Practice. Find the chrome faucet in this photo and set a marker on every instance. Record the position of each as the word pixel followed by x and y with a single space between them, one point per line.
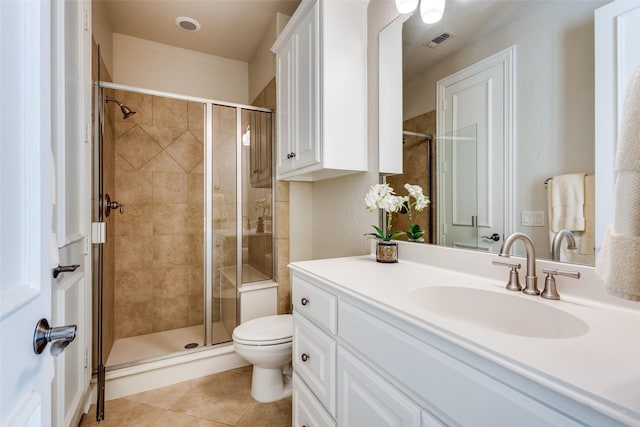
pixel 557 242
pixel 531 280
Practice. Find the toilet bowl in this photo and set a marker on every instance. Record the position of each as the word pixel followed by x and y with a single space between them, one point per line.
pixel 265 342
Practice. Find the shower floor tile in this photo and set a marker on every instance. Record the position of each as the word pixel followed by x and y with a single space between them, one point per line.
pixel 128 349
pixel 219 400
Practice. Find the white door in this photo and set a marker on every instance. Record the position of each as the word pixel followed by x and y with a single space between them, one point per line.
pixel 25 210
pixel 478 96
pixel 70 291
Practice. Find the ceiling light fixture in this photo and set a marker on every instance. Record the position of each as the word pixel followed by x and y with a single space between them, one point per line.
pixel 430 10
pixel 187 24
pixel 406 6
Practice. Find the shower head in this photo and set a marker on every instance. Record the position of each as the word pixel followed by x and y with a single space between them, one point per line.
pixel 126 111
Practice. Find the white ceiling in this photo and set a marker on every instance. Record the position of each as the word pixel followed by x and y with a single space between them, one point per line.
pixel 230 28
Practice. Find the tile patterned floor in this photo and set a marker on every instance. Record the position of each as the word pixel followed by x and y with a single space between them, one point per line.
pixel 219 400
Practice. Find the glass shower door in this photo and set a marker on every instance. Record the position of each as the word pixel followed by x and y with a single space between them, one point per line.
pixel 223 202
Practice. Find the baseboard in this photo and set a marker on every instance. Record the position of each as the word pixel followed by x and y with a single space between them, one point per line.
pixel 148 376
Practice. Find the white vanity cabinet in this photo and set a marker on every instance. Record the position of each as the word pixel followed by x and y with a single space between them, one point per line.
pixel 321 66
pixel 356 364
pixel 332 385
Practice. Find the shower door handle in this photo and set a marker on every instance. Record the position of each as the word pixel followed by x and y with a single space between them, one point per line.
pixel 111 205
pixel 116 205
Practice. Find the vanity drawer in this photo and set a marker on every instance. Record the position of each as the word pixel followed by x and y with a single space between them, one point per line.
pixel 439 382
pixel 314 303
pixel 314 360
pixel 307 411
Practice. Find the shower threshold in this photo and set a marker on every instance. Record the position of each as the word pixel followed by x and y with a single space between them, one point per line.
pixel 141 347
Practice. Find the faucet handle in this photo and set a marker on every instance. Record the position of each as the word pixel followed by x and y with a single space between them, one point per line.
pixel 550 291
pixel 514 279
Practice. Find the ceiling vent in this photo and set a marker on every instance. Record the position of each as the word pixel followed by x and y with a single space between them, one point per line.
pixel 436 41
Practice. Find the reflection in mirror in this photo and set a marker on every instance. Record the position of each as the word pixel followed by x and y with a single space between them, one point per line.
pixel 457 189
pixel 553 109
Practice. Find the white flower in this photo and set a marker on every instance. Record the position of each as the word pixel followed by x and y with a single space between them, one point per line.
pixel 415 191
pixel 392 203
pixel 376 196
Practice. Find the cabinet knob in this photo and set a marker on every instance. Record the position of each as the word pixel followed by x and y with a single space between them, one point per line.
pixel 304 301
pixel 291 155
pixel 304 357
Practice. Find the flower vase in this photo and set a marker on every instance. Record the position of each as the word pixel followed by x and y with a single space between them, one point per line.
pixel 387 251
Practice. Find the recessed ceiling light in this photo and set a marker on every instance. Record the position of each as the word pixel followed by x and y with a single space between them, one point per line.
pixel 187 24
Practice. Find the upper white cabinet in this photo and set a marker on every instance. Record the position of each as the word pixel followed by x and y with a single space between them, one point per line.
pixel 321 59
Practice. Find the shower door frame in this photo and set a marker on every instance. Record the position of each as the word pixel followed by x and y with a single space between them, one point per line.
pixel 208 199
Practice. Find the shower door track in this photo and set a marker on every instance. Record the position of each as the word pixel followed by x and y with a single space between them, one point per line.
pixel 116 86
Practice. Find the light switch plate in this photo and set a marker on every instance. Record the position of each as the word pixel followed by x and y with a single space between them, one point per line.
pixel 533 218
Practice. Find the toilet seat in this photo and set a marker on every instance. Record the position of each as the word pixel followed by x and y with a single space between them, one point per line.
pixel 264 331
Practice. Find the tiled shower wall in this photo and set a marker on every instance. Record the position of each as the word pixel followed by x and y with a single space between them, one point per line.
pixel 159 237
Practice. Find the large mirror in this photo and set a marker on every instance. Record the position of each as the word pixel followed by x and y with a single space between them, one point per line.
pixel 551 128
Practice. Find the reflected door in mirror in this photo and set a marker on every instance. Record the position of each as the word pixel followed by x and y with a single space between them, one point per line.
pixel 478 96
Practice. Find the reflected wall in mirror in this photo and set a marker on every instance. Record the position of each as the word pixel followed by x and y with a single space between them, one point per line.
pixel 553 131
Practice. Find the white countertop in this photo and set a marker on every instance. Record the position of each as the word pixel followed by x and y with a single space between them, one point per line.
pixel 600 368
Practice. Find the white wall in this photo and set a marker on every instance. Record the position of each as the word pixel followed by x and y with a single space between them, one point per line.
pixel 145 64
pixel 262 66
pixel 102 34
pixel 554 97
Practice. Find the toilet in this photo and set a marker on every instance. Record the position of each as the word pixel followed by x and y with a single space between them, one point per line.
pixel 265 342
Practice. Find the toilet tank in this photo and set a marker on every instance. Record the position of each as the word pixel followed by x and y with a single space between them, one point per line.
pixel 258 300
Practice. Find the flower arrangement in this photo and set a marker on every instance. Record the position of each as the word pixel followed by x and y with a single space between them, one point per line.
pixel 420 201
pixel 382 196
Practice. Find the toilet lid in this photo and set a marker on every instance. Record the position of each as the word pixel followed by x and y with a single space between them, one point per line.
pixel 271 329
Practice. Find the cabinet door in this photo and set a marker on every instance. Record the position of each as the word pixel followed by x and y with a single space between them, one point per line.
pixel 286 110
pixel 367 399
pixel 307 410
pixel 306 147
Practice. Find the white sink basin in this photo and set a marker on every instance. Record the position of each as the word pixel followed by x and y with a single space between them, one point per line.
pixel 499 312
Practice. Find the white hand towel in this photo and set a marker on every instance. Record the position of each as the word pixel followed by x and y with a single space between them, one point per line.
pixel 618 263
pixel 585 240
pixel 567 202
pixel 628 147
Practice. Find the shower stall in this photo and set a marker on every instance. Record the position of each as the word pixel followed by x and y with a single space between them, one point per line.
pixel 183 195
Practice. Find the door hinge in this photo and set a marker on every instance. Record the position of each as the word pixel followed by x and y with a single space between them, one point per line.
pixel 86 358
pixel 98 233
pixel 444 105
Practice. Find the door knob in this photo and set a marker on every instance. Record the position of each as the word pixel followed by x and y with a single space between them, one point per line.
pixel 495 237
pixel 60 336
pixel 63 269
